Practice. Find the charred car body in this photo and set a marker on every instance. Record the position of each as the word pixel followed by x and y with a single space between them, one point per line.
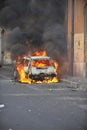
pixel 37 68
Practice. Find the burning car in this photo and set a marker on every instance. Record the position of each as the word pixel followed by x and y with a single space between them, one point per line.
pixel 35 68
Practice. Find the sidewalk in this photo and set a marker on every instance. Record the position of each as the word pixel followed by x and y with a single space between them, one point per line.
pixel 75 82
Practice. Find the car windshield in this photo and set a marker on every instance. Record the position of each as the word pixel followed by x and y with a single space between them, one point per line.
pixel 41 63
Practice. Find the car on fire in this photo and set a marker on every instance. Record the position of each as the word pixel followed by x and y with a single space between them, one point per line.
pixel 37 68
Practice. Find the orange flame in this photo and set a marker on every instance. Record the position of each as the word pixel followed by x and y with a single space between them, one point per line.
pixel 21 73
pixel 36 63
pixel 40 53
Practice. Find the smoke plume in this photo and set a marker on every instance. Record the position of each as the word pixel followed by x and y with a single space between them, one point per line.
pixel 35 24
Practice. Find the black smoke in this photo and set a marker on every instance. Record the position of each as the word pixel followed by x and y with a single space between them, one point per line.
pixel 35 24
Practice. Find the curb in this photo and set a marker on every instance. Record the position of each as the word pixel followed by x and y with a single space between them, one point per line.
pixel 75 84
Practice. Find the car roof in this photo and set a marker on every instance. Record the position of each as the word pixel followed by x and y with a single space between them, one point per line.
pixel 39 57
pixel 36 57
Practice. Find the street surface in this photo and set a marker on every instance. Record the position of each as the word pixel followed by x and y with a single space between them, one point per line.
pixel 53 106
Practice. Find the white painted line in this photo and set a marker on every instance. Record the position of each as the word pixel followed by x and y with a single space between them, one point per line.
pixel 37 95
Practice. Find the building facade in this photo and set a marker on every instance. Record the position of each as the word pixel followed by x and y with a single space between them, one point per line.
pixel 77 37
pixel 1 46
pixel 5 56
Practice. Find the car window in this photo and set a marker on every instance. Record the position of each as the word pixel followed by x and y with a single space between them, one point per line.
pixel 41 63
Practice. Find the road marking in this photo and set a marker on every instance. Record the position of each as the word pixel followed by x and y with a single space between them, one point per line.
pixel 58 89
pixel 60 98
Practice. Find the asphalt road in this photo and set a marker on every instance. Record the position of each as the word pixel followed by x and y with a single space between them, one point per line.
pixel 41 106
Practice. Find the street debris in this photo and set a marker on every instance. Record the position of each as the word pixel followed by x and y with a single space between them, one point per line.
pixel 29 110
pixel 2 105
pixel 50 89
